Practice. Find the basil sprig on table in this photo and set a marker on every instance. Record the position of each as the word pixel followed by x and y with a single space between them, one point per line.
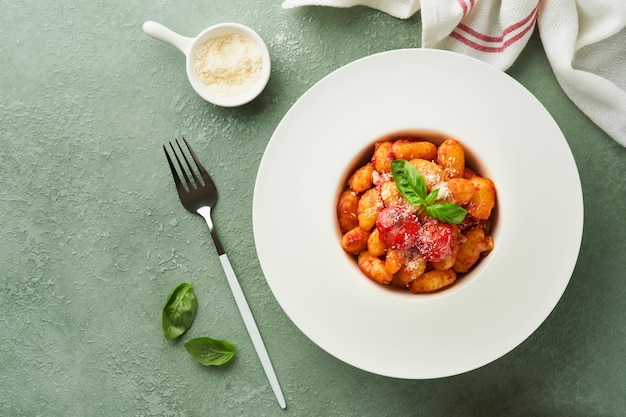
pixel 179 311
pixel 178 314
pixel 412 186
pixel 210 352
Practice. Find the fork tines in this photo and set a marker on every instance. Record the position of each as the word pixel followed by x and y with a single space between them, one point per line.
pixel 186 167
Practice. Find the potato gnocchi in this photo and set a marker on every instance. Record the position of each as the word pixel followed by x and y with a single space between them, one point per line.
pixel 395 243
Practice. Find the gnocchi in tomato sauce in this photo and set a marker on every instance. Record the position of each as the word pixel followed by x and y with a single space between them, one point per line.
pixel 397 243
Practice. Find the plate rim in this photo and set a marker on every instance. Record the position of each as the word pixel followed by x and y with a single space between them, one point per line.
pixel 320 85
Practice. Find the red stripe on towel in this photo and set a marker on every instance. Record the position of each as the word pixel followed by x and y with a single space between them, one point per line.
pixel 466 8
pixel 463 6
pixel 531 16
pixel 529 21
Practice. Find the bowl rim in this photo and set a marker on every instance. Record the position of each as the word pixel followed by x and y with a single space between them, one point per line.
pixel 338 314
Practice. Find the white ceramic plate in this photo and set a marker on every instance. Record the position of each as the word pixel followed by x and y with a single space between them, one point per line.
pixel 537 236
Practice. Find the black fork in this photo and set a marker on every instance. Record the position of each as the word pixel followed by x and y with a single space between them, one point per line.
pixel 198 194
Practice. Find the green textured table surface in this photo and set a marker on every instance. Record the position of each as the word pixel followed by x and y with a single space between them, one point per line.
pixel 93 236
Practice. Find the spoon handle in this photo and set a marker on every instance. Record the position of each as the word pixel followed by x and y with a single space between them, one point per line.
pixel 164 34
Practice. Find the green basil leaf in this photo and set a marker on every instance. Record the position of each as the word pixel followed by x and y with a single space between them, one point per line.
pixel 447 212
pixel 432 196
pixel 412 186
pixel 179 311
pixel 210 352
pixel 409 181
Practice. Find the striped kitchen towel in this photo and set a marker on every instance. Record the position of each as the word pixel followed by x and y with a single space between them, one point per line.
pixel 584 40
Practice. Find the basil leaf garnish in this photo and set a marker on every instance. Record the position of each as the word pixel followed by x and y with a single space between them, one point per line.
pixel 412 186
pixel 409 181
pixel 179 311
pixel 447 212
pixel 210 352
pixel 431 197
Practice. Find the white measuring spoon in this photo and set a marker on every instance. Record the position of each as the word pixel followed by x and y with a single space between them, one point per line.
pixel 188 47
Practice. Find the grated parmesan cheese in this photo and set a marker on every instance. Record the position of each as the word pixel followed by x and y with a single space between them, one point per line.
pixel 229 65
pixel 444 192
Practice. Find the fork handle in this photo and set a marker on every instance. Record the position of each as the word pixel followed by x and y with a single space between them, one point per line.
pixel 253 331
